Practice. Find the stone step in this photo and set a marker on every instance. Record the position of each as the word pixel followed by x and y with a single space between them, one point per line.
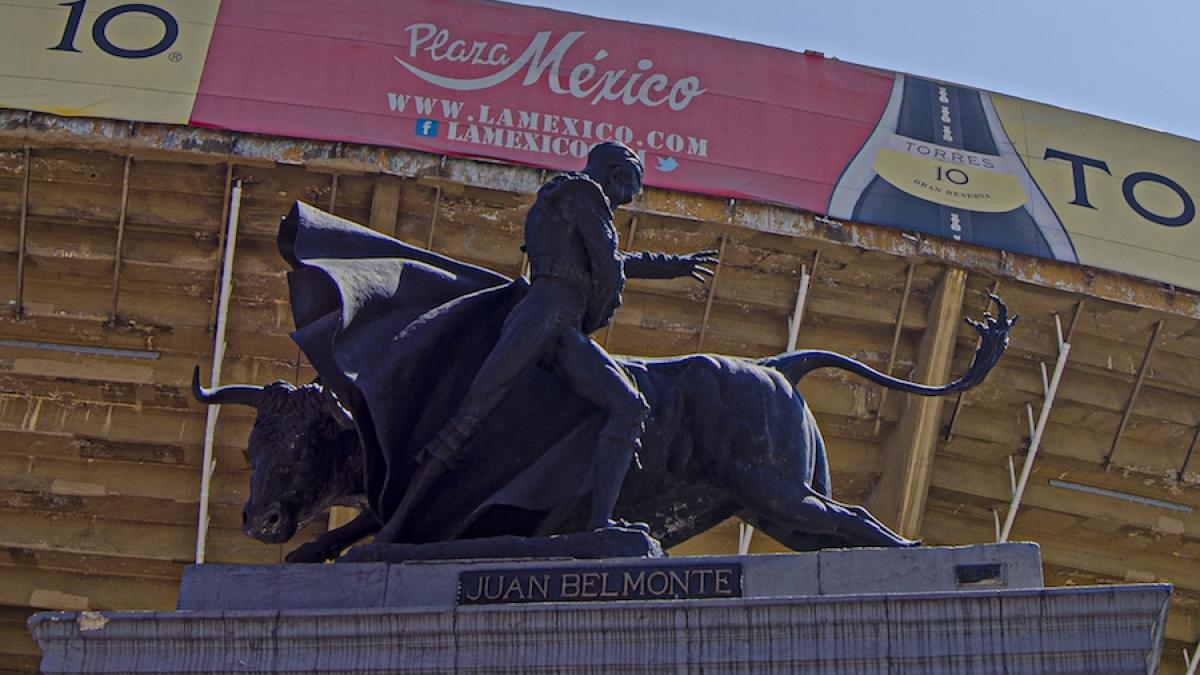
pixel 1112 629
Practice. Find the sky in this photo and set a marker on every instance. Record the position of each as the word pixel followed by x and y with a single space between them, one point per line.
pixel 1133 62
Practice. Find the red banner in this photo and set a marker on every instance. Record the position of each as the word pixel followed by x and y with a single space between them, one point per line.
pixel 710 115
pixel 540 87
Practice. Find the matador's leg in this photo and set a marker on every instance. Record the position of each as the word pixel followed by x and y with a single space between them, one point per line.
pixel 528 332
pixel 594 375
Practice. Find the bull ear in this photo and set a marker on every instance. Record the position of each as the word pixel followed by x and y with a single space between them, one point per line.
pixel 243 394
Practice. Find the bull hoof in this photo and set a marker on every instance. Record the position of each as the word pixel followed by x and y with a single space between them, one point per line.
pixel 368 553
pixel 308 553
pixel 624 525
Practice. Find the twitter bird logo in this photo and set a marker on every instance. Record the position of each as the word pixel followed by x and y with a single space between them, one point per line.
pixel 666 164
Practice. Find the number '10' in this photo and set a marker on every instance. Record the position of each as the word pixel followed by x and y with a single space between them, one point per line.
pixel 100 29
pixel 956 176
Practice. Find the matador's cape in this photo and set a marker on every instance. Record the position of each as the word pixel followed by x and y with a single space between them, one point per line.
pixel 398 333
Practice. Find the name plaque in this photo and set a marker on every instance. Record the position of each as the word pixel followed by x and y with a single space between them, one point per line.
pixel 599 584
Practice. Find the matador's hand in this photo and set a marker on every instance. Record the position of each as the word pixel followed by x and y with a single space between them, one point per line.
pixel 693 264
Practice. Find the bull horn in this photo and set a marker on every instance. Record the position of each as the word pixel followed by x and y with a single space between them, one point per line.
pixel 243 394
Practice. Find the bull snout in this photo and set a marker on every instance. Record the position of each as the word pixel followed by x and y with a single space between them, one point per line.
pixel 271 524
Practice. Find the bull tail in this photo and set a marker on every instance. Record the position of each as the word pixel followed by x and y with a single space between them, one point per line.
pixel 993 340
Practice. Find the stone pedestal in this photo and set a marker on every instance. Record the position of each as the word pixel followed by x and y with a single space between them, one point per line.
pixel 930 610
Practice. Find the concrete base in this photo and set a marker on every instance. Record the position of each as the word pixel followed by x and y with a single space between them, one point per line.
pixel 854 628
pixel 435 584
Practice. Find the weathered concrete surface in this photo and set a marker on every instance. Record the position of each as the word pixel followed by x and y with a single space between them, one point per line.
pixel 435 584
pixel 1113 629
pixel 973 609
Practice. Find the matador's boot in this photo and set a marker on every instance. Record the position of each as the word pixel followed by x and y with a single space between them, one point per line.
pixel 616 452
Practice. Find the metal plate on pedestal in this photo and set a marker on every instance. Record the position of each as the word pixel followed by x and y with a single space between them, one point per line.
pixel 603 583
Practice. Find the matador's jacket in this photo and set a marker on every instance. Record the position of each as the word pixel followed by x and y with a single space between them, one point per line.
pixel 569 235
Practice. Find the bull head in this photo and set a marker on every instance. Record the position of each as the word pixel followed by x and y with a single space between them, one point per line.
pixel 290 452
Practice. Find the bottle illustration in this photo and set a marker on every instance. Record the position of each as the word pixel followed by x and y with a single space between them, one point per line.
pixel 940 162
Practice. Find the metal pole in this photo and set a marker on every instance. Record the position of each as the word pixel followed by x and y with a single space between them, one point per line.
pixel 437 202
pixel 798 311
pixel 1064 348
pixel 226 200
pixel 712 293
pixel 119 254
pixel 745 534
pixel 1188 458
pixel 23 235
pixel 210 423
pixel 891 362
pixel 806 276
pixel 1137 387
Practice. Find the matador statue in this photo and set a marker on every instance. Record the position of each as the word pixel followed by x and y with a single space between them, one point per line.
pixel 576 278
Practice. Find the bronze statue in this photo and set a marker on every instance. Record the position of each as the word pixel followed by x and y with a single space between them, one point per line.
pixel 399 335
pixel 724 437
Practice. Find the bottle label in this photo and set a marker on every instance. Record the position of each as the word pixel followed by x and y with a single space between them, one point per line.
pixel 950 176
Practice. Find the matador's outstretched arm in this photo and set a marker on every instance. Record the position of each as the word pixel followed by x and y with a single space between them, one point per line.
pixel 648 265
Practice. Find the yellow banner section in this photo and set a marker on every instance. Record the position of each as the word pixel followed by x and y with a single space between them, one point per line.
pixel 105 58
pixel 951 184
pixel 1126 195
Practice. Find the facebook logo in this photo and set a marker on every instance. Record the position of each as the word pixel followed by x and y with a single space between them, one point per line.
pixel 427 127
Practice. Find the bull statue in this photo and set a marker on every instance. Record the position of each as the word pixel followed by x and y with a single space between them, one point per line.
pixel 396 333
